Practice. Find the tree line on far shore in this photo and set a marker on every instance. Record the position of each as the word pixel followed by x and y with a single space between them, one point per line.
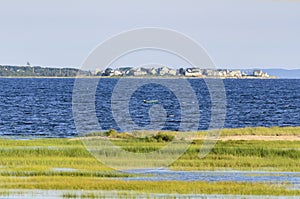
pixel 27 71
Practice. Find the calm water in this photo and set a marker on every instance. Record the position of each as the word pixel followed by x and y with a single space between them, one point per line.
pixel 43 107
pixel 291 178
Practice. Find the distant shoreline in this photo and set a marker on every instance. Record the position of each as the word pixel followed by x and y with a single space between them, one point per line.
pixel 131 72
pixel 131 77
pixel 11 71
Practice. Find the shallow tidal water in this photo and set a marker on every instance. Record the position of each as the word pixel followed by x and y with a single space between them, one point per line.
pixel 292 178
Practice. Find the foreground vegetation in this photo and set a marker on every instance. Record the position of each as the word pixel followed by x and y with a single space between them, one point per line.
pixel 272 131
pixel 67 164
pixel 88 183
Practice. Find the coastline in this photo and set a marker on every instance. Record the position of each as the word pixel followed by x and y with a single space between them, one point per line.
pixel 130 77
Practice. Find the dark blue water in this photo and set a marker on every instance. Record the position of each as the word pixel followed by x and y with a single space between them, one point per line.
pixel 43 107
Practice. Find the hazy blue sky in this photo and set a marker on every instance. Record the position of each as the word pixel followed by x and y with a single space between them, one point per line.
pixel 237 34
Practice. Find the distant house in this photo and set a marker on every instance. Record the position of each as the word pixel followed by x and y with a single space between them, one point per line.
pixel 235 73
pixel 165 71
pixel 259 73
pixel 193 72
pixel 187 72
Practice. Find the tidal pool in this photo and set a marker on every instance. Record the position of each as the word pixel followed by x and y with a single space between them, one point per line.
pixel 292 179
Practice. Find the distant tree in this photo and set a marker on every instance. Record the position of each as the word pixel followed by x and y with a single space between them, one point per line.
pixel 107 71
pixel 181 71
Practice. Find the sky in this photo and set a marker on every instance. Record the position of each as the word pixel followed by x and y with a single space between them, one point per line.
pixel 235 33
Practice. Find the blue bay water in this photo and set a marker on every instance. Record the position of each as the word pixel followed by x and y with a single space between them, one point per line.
pixel 43 107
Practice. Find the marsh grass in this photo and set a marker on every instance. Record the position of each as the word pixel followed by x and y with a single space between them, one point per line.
pixel 270 131
pixel 30 164
pixel 199 193
pixel 85 183
pixel 243 155
pixel 4 193
pixel 149 135
pixel 39 157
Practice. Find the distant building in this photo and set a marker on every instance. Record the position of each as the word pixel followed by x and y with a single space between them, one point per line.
pixel 235 73
pixel 259 73
pixel 187 72
pixel 193 72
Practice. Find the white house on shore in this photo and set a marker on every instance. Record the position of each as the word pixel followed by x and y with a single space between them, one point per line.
pixel 186 72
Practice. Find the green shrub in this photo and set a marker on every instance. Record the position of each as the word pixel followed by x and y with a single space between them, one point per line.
pixel 163 137
pixel 111 133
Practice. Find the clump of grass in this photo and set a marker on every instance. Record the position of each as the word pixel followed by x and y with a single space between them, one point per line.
pixel 70 195
pixel 91 195
pixel 163 137
pixel 159 137
pixel 4 193
pixel 111 133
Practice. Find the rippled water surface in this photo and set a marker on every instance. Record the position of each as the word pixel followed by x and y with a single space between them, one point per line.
pixel 43 107
pixel 291 178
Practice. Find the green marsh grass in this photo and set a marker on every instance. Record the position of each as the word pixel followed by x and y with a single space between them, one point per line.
pixel 243 155
pixel 270 131
pixel 85 183
pixel 234 155
pixel 40 164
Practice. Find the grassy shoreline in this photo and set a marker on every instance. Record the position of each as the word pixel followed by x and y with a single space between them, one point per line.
pixel 62 163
